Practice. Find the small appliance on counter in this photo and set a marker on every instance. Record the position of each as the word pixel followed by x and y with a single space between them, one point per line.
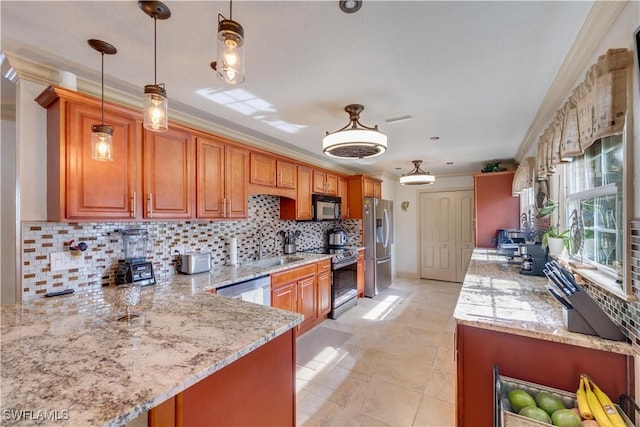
pixel 534 259
pixel 508 241
pixel 196 262
pixel 337 237
pixel 135 268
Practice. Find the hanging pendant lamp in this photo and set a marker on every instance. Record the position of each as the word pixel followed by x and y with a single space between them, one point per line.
pixel 355 140
pixel 417 176
pixel 229 64
pixel 155 95
pixel 102 135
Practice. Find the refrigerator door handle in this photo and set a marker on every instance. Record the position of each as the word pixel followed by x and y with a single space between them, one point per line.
pixel 383 261
pixel 385 215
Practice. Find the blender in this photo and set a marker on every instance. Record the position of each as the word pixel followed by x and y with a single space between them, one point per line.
pixel 135 268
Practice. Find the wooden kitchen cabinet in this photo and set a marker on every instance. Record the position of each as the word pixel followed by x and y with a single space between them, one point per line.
pixel 78 187
pixel 271 171
pixel 325 183
pixel 324 288
pixel 168 180
pixel 359 187
pixel 360 273
pixel 286 174
pixel 285 296
pixel 299 208
pixel 222 172
pixel 295 290
pixel 343 191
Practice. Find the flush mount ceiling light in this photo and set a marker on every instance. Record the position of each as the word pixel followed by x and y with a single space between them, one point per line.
pixel 417 176
pixel 354 141
pixel 350 6
pixel 229 65
pixel 155 95
pixel 102 135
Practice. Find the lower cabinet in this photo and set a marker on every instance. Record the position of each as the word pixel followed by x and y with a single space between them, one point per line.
pixel 255 390
pixel 324 288
pixel 538 361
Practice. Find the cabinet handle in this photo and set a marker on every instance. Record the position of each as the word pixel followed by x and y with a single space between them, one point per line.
pixel 224 207
pixel 229 211
pixel 133 204
pixel 150 205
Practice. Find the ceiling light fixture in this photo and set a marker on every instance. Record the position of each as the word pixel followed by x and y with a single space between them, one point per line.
pixel 353 142
pixel 417 176
pixel 155 95
pixel 229 65
pixel 102 135
pixel 350 6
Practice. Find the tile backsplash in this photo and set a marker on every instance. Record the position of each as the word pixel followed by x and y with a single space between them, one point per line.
pixel 39 239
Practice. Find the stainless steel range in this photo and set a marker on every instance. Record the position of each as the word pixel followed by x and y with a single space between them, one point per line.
pixel 344 290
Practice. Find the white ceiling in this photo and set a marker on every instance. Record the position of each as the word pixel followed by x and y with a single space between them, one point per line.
pixel 473 73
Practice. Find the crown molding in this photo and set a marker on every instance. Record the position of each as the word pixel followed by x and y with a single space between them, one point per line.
pixel 599 21
pixel 131 96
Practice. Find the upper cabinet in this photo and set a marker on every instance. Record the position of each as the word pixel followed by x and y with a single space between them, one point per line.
pixel 168 183
pixel 343 193
pixel 271 175
pixel 325 183
pixel 222 179
pixel 78 187
pixel 359 187
pixel 300 207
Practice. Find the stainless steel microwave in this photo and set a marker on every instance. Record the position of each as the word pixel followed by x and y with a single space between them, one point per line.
pixel 326 207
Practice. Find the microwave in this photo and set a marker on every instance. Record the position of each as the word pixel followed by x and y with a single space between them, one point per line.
pixel 326 207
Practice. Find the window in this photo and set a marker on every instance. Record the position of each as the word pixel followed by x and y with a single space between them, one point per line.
pixel 595 209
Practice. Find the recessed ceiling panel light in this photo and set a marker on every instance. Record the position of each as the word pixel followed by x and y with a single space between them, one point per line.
pixel 398 119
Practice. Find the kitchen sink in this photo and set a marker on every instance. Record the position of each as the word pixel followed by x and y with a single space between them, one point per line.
pixel 274 262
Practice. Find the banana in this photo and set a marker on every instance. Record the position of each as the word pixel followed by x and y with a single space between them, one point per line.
pixel 609 408
pixel 596 408
pixel 581 398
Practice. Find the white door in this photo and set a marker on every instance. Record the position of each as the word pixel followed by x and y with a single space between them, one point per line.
pixel 438 236
pixel 446 234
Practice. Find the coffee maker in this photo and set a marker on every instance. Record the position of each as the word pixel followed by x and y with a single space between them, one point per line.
pixel 534 259
pixel 135 268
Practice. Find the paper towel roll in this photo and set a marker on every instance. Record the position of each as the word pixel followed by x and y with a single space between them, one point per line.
pixel 233 251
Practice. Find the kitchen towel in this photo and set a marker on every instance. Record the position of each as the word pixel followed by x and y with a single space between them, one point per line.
pixel 233 251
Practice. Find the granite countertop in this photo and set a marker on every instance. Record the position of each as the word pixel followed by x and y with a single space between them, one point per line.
pixel 496 296
pixel 69 356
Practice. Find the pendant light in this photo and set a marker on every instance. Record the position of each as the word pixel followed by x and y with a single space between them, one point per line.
pixel 155 95
pixel 229 64
pixel 417 176
pixel 102 135
pixel 354 141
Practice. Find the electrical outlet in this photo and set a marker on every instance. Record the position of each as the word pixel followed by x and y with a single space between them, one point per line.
pixel 66 261
pixel 176 250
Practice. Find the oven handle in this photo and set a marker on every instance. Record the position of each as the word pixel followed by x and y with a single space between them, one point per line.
pixel 343 264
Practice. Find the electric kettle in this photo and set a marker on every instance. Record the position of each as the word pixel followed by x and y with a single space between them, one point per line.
pixel 337 237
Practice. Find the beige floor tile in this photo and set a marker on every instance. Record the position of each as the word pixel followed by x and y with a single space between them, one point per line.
pixel 391 403
pixel 434 412
pixel 359 359
pixel 402 371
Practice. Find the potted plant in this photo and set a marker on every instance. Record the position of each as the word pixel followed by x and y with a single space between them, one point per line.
pixel 555 239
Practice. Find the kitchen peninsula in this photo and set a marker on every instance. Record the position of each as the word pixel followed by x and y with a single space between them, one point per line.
pixel 68 359
pixel 510 320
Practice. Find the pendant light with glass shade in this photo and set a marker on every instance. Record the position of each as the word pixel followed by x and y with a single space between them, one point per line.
pixel 355 140
pixel 102 135
pixel 155 95
pixel 229 64
pixel 417 176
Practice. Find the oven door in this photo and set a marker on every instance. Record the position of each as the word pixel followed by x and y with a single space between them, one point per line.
pixel 345 285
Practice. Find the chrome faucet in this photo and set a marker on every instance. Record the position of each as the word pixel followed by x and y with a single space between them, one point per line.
pixel 262 241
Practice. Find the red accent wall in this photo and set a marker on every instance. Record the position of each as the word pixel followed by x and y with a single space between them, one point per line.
pixel 495 207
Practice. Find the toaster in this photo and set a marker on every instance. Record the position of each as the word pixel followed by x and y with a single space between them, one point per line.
pixel 195 263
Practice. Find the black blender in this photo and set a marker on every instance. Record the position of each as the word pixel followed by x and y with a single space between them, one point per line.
pixel 135 268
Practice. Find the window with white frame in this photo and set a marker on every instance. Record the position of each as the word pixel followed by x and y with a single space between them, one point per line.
pixel 595 208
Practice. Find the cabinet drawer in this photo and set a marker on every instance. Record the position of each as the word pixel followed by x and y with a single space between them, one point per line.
pixel 284 277
pixel 324 266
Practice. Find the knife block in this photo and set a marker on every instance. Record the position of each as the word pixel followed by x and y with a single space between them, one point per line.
pixel 587 317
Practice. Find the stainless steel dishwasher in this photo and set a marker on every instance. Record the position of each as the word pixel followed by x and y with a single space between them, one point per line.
pixel 256 290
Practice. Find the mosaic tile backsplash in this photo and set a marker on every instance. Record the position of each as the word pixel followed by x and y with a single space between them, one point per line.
pixel 40 239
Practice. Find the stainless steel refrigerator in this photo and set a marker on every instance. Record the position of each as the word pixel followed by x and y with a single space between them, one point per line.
pixel 377 224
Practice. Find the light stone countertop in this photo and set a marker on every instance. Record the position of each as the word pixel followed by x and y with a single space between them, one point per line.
pixel 69 357
pixel 496 296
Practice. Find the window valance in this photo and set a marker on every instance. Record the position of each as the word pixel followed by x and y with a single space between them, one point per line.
pixel 523 178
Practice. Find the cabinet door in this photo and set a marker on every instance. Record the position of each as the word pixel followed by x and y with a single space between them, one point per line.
pixel 96 189
pixel 319 181
pixel 263 169
pixel 324 288
pixel 367 187
pixel 360 273
pixel 287 177
pixel 211 167
pixel 307 301
pixel 331 184
pixel 343 194
pixel 168 174
pixel 285 297
pixel 303 204
pixel 377 189
pixel 236 178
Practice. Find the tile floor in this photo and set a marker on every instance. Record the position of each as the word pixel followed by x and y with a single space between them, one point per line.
pixel 387 362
